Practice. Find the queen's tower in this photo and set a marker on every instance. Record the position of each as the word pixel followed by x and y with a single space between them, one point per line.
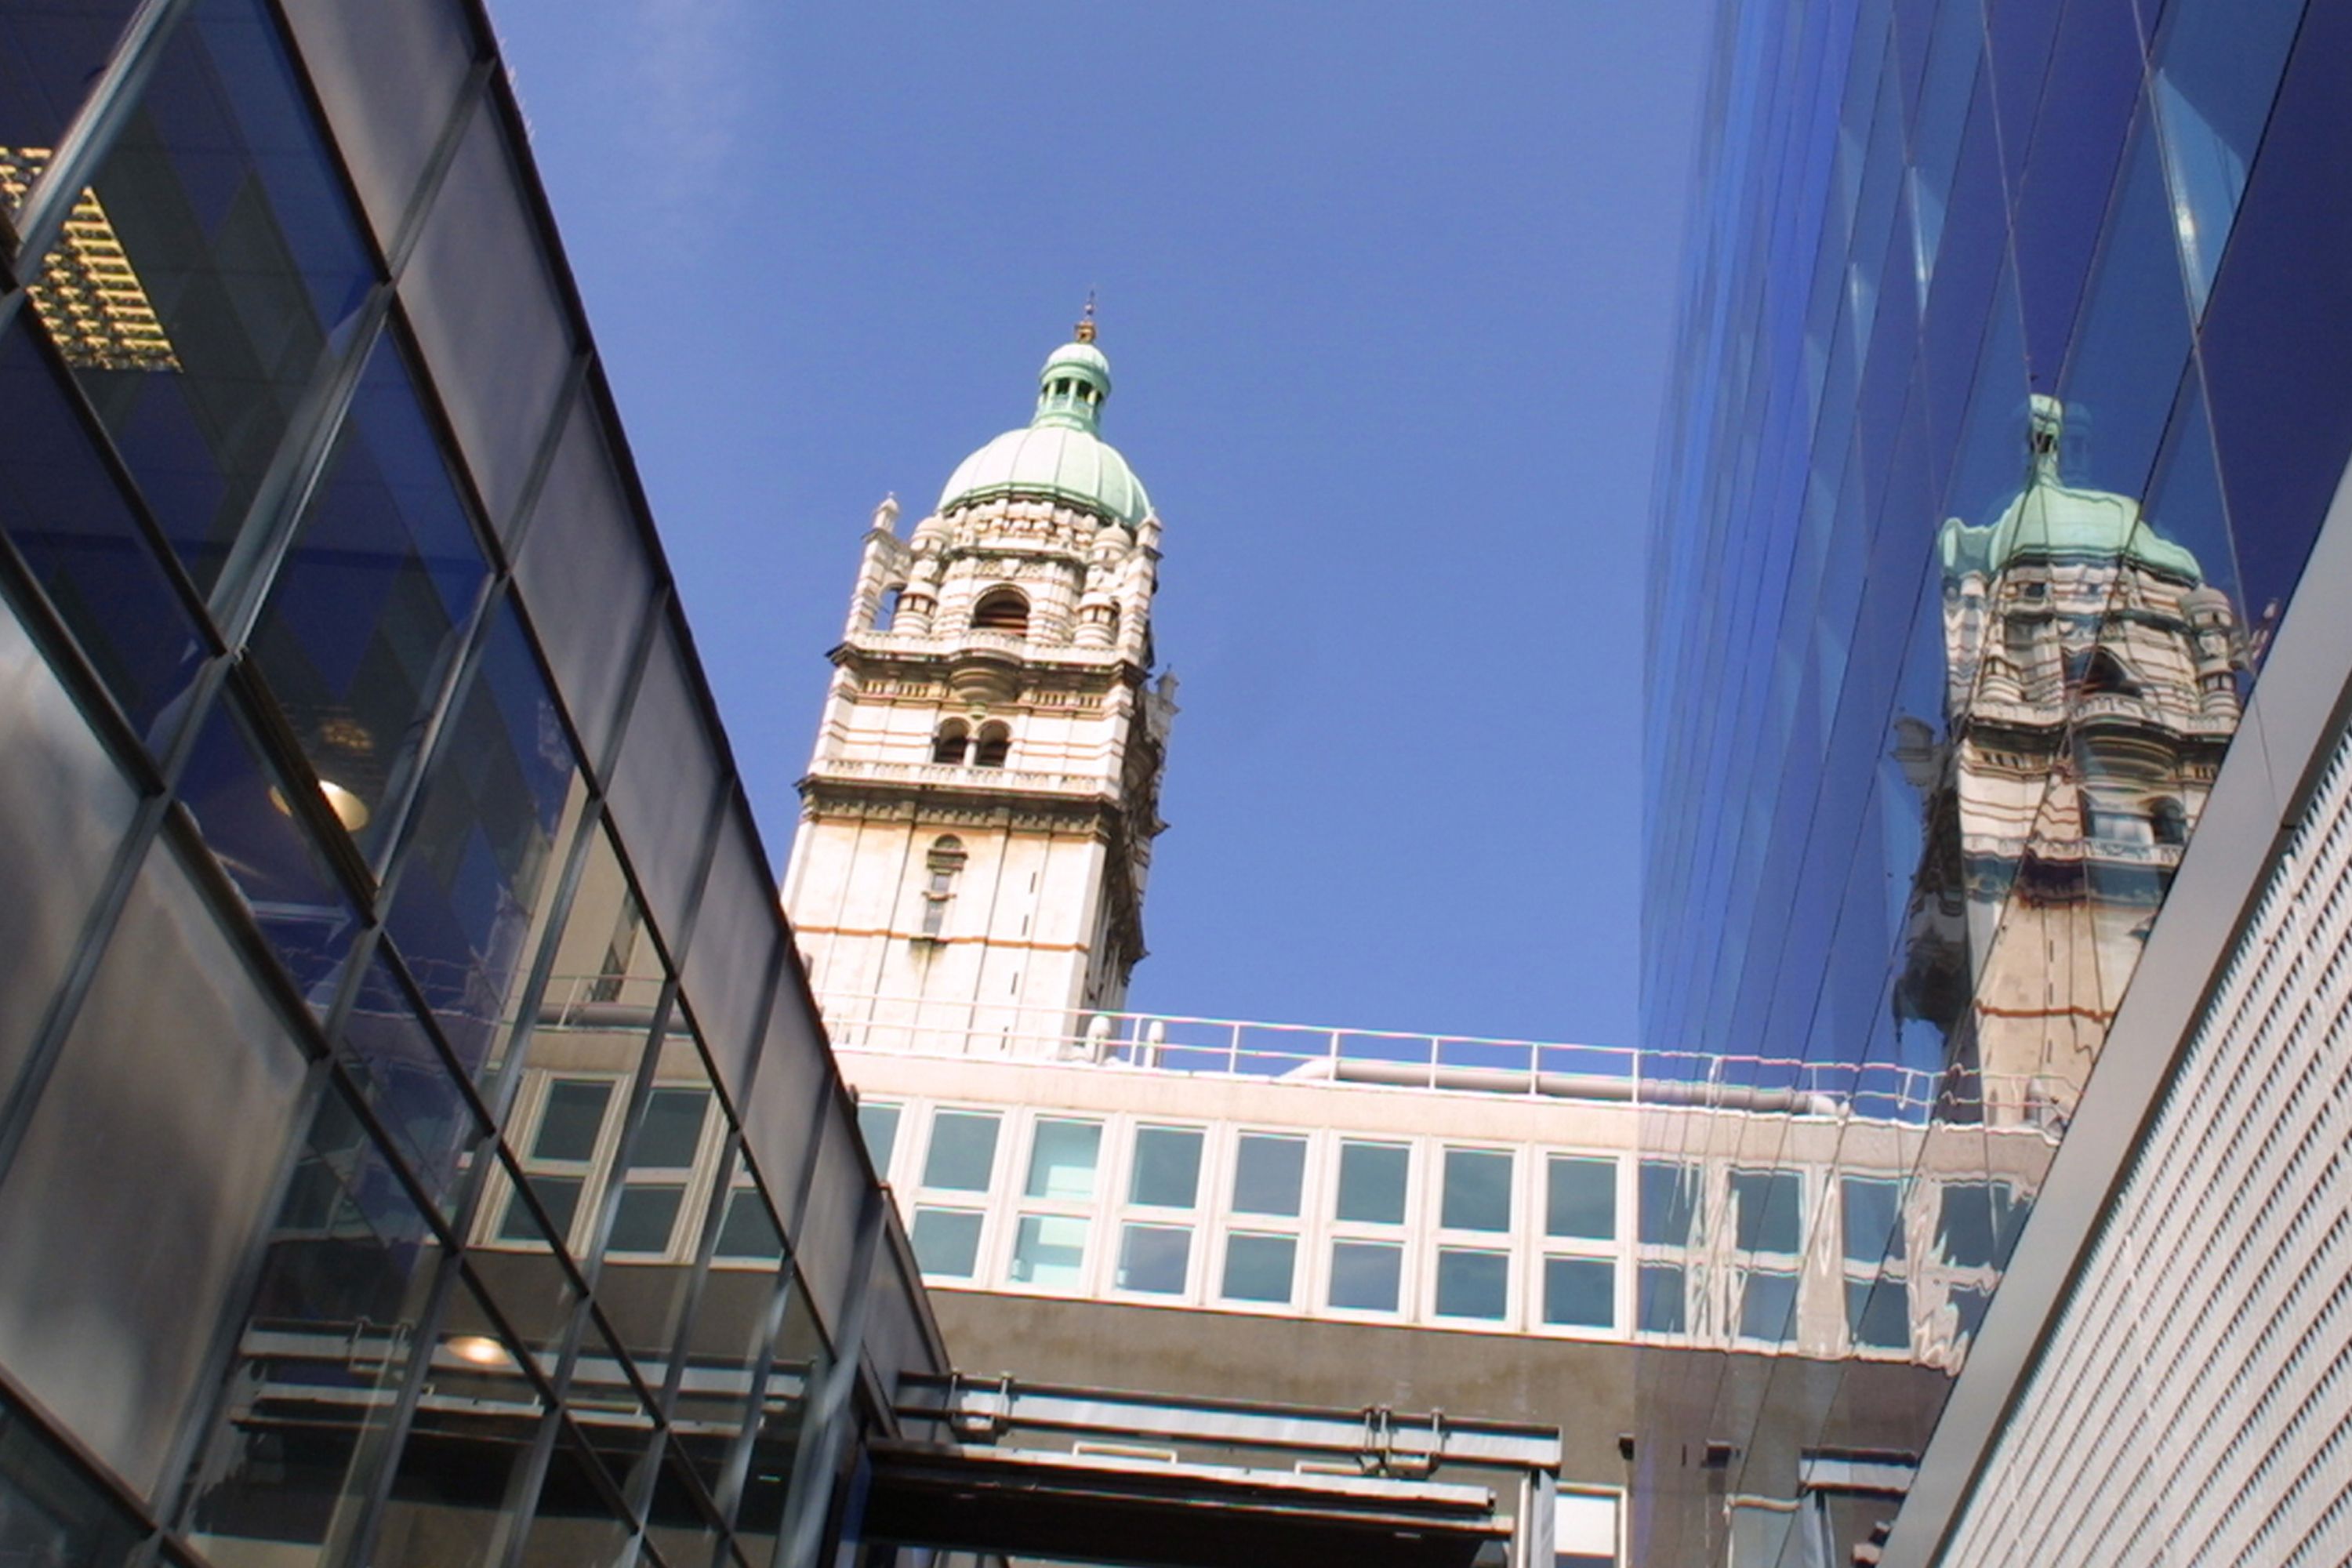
pixel 976 825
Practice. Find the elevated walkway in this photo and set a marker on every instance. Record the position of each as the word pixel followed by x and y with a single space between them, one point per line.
pixel 1087 1476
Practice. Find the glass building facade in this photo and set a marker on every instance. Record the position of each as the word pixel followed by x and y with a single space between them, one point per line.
pixel 416 1142
pixel 2013 383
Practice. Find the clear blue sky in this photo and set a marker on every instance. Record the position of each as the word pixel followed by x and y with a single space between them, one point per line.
pixel 1387 291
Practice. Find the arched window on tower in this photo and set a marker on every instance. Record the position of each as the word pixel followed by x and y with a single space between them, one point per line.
pixel 995 745
pixel 950 743
pixel 2166 821
pixel 2103 674
pixel 1001 610
pixel 885 608
pixel 943 865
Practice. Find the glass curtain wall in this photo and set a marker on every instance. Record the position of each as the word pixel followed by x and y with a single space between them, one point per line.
pixel 389 951
pixel 2009 398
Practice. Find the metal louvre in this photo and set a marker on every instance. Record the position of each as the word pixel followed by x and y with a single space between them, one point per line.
pixel 2190 1406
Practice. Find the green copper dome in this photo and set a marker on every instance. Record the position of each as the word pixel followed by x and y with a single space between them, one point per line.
pixel 1059 456
pixel 2049 518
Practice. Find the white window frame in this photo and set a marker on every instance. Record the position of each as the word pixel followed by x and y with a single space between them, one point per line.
pixel 694 1180
pixel 1124 1211
pixel 1441 1238
pixel 529 1112
pixel 1401 1234
pixel 1088 1211
pixel 1616 1249
pixel 960 1200
pixel 1299 1228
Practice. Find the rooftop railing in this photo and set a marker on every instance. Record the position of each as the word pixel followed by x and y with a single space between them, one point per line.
pixel 1380 1058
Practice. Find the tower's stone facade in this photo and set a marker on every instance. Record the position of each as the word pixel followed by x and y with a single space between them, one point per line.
pixel 2092 684
pixel 976 825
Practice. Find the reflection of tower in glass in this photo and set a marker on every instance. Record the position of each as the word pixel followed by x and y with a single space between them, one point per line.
pixel 2092 686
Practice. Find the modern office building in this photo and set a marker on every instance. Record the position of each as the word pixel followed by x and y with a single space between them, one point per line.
pixel 1996 673
pixel 417 1144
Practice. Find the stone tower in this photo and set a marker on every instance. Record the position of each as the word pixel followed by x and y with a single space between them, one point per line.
pixel 2092 684
pixel 976 824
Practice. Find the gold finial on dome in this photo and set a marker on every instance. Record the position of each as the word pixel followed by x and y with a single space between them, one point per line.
pixel 1086 328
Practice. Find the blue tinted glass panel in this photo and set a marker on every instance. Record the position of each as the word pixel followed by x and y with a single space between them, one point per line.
pixel 1878 1313
pixel 1259 1267
pixel 2131 338
pixel 1472 1284
pixel 405 1080
pixel 51 56
pixel 2278 331
pixel 1767 1306
pixel 366 615
pixel 1579 1292
pixel 246 810
pixel 230 217
pixel 2218 67
pixel 1660 1303
pixel 1365 1275
pixel 481 856
pixel 75 525
pixel 947 1242
pixel 2078 137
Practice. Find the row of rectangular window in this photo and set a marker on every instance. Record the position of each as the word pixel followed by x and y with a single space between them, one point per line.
pixel 1253 1256
pixel 1269 1173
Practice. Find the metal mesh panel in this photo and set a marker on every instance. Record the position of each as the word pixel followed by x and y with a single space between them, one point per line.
pixel 2190 1407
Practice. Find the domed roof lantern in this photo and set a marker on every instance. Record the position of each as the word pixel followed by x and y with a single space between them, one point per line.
pixel 1061 456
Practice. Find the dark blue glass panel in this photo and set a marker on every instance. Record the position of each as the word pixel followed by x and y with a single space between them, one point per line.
pixel 2185 504
pixel 1975 251
pixel 51 56
pixel 478 859
pixel 2217 71
pixel 1991 461
pixel 2078 136
pixel 65 511
pixel 244 809
pixel 367 612
pixel 2131 338
pixel 2019 35
pixel 391 1051
pixel 2278 333
pixel 230 215
pixel 1945 88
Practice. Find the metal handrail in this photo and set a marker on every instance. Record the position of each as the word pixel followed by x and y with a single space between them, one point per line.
pixel 1196 1045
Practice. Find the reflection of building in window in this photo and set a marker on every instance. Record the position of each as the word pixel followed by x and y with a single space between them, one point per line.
pixel 942 865
pixel 2092 684
pixel 620 953
pixel 93 304
pixel 1767 1232
pixel 1878 1293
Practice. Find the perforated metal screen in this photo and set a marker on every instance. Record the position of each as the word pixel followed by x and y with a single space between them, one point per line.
pixel 2193 1404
